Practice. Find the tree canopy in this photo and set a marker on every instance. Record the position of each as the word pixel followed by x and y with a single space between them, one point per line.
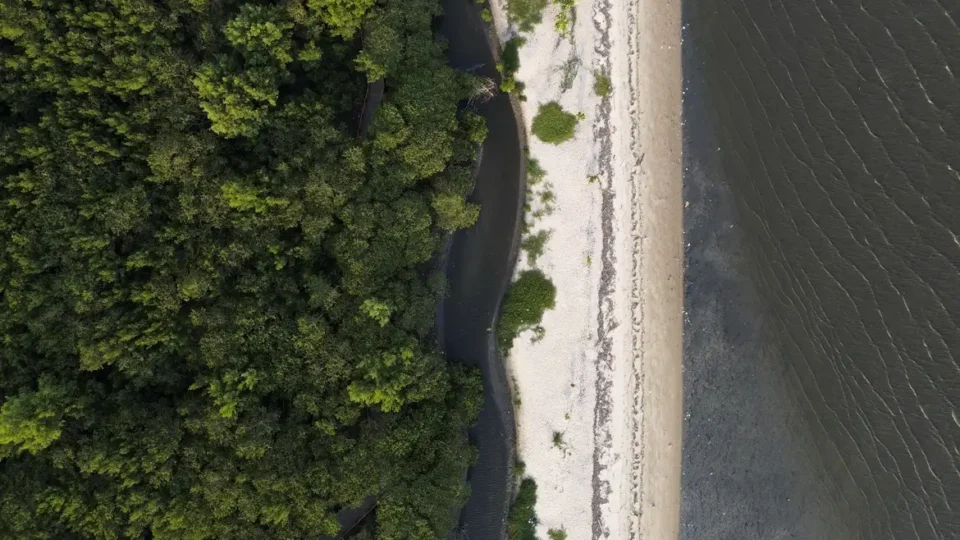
pixel 216 301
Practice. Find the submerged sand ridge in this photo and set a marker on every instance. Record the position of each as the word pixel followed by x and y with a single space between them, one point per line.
pixel 599 420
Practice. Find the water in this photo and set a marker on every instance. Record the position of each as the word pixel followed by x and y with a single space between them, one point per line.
pixel 821 380
pixel 479 268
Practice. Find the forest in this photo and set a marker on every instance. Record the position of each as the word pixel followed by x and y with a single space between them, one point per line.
pixel 217 296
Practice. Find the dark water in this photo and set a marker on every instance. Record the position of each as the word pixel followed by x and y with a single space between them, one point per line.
pixel 479 268
pixel 821 380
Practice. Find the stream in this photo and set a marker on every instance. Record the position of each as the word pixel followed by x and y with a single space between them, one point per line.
pixel 479 268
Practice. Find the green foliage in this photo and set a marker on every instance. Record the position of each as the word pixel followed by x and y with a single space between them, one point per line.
pixel 486 15
pixel 552 124
pixel 33 420
pixel 557 534
pixel 601 84
pixel 535 172
pixel 524 304
pixel 511 55
pixel 510 64
pixel 453 213
pixel 236 90
pixel 535 245
pixel 525 13
pixel 565 16
pixel 215 319
pixel 522 520
pixel 343 17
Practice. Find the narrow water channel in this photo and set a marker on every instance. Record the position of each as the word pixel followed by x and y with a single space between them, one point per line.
pixel 479 268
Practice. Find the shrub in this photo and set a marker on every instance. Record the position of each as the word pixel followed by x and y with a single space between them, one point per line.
pixel 511 55
pixel 526 13
pixel 535 245
pixel 532 294
pixel 554 125
pixel 486 15
pixel 601 84
pixel 565 17
pixel 522 521
pixel 558 440
pixel 557 534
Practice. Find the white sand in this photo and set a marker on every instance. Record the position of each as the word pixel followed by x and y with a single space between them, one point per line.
pixel 607 373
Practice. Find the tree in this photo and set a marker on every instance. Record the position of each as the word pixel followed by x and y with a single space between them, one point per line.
pixel 215 319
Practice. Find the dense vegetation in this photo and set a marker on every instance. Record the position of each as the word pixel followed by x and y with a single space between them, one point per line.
pixel 522 520
pixel 216 304
pixel 525 13
pixel 524 304
pixel 552 124
pixel 510 64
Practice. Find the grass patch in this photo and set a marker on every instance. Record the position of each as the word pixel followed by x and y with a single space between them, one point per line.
pixel 557 534
pixel 525 13
pixel 535 245
pixel 535 173
pixel 554 125
pixel 601 84
pixel 529 296
pixel 569 72
pixel 522 521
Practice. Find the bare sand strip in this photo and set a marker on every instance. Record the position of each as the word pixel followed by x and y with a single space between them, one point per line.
pixel 657 300
pixel 606 375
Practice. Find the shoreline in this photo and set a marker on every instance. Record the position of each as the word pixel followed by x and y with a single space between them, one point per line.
pixel 606 375
pixel 480 263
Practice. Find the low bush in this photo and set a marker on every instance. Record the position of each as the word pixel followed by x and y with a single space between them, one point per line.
pixel 554 125
pixel 528 298
pixel 526 13
pixel 522 521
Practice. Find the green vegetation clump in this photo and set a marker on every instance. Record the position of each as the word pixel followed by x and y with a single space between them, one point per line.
pixel 535 245
pixel 525 13
pixel 557 534
pixel 522 520
pixel 565 17
pixel 510 64
pixel 601 84
pixel 558 440
pixel 215 320
pixel 528 298
pixel 554 125
pixel 486 15
pixel 535 172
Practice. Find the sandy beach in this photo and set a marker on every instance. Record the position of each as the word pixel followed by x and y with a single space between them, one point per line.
pixel 599 396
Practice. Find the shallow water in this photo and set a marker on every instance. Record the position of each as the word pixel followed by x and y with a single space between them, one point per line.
pixel 821 379
pixel 479 267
